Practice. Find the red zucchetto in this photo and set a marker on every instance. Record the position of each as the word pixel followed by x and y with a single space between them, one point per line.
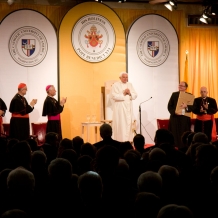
pixel 21 85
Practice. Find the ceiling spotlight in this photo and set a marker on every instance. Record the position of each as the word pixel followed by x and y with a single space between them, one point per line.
pixel 10 2
pixel 169 6
pixel 204 15
pixel 203 20
pixel 172 3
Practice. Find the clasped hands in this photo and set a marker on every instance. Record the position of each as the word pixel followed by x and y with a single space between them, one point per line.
pixel 63 101
pixel 33 102
pixel 127 92
pixel 204 108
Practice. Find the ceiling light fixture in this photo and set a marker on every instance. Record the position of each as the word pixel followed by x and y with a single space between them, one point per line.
pixel 10 2
pixel 169 6
pixel 203 20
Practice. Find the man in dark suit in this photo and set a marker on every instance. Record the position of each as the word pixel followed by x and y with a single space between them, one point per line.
pixel 106 133
pixel 178 123
pixel 205 108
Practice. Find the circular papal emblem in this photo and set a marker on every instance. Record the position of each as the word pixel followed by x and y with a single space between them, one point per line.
pixel 153 48
pixel 93 38
pixel 28 46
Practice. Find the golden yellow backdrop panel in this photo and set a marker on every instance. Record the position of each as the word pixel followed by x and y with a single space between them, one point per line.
pixel 81 81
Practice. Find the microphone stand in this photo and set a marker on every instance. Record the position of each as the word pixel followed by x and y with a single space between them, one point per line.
pixel 140 121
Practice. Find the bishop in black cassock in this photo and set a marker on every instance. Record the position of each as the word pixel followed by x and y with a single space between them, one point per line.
pixel 20 109
pixel 205 107
pixel 52 109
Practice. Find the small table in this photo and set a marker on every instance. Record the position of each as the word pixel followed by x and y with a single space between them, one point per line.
pixel 88 125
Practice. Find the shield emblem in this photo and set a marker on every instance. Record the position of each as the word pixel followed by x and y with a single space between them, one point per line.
pixel 28 46
pixel 153 48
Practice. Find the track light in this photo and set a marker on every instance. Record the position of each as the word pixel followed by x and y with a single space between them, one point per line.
pixel 10 2
pixel 203 20
pixel 171 5
pixel 121 1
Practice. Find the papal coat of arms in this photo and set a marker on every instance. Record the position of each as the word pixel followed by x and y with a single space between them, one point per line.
pixel 93 37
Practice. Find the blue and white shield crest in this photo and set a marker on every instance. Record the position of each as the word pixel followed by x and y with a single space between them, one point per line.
pixel 153 48
pixel 28 46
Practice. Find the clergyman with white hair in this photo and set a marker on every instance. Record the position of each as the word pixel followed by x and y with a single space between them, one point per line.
pixel 123 93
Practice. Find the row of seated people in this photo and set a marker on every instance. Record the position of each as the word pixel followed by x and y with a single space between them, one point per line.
pixel 71 178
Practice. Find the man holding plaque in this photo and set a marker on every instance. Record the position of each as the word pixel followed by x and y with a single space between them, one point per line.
pixel 205 108
pixel 179 107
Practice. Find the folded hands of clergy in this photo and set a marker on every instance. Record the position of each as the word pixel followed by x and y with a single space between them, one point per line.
pixel 63 101
pixel 127 92
pixel 204 108
pixel 33 102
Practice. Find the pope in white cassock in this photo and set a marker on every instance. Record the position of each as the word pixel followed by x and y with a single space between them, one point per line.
pixel 123 93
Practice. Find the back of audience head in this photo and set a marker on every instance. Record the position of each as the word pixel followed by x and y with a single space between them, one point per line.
pixel 163 136
pixel 184 138
pixel 3 179
pixel 77 143
pixel 200 137
pixel 157 158
pixel 169 175
pixel 71 156
pixel 21 181
pixel 90 186
pixel 139 142
pixel 3 143
pixel 33 144
pixel 214 177
pixel 88 149
pixel 64 144
pixel 146 205
pixel 52 139
pixel 38 160
pixel 124 147
pixel 11 143
pixel 107 159
pixel 122 168
pixel 60 170
pixel 174 211
pixel 150 182
pixel 14 213
pixel 21 153
pixel 84 164
pixel 132 158
pixel 105 131
pixel 206 156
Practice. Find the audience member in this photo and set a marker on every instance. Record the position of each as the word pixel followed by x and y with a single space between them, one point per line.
pixel 173 210
pixel 150 182
pixel 139 143
pixel 88 149
pixel 106 134
pixel 77 143
pixel 146 205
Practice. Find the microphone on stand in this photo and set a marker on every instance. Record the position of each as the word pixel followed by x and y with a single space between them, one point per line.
pixel 140 122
